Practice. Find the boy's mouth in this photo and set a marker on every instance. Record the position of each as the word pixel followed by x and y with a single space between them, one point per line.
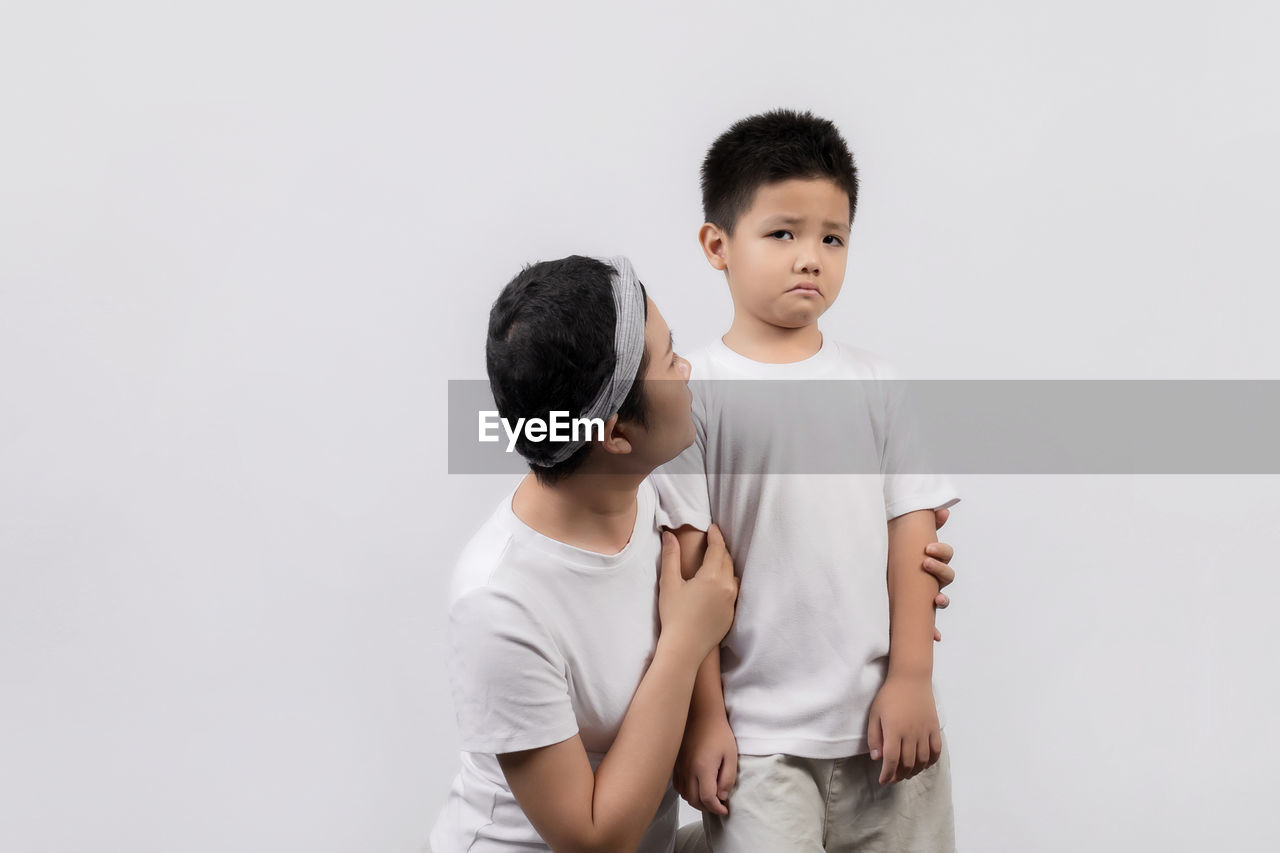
pixel 805 287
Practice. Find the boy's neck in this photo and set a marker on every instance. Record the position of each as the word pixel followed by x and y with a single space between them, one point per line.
pixel 770 344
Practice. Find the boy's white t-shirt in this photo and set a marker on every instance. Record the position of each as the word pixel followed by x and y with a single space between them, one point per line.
pixel 809 645
pixel 546 641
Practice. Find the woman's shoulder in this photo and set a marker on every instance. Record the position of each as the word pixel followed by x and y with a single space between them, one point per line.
pixel 482 558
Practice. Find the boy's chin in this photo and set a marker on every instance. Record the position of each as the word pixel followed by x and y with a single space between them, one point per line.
pixel 796 319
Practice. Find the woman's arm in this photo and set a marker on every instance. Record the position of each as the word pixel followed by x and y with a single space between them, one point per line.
pixel 707 763
pixel 574 809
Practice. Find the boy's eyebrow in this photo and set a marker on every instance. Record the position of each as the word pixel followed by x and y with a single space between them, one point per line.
pixel 796 220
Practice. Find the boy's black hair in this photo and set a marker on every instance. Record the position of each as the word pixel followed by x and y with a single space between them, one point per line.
pixel 767 148
pixel 550 348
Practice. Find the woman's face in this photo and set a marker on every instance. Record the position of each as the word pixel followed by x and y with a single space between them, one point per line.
pixel 669 402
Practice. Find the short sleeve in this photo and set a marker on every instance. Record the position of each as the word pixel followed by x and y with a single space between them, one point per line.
pixel 682 482
pixel 510 683
pixel 910 484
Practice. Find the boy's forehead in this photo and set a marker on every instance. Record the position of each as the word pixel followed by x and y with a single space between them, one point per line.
pixel 802 199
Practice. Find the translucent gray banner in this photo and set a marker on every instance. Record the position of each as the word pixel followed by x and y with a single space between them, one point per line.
pixel 954 427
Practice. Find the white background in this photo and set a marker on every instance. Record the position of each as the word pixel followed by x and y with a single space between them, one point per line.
pixel 245 245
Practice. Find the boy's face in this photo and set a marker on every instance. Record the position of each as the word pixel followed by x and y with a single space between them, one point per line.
pixel 786 258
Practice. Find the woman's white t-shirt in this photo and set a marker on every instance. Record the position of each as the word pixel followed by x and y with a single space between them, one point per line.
pixel 546 641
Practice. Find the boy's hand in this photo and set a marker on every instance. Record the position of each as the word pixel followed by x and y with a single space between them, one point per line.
pixel 707 765
pixel 937 562
pixel 903 727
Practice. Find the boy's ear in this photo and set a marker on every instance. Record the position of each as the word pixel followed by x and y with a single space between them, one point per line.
pixel 712 240
pixel 615 438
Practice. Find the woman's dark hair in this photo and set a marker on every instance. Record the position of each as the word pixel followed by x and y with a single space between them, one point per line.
pixel 550 348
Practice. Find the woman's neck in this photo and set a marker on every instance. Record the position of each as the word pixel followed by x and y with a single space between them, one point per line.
pixel 594 512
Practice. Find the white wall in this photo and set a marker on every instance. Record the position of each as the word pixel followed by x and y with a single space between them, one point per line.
pixel 245 246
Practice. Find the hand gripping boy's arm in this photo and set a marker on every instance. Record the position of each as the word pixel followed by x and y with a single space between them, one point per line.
pixel 707 765
pixel 903 723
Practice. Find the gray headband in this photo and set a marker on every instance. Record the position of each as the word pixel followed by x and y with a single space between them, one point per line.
pixel 628 348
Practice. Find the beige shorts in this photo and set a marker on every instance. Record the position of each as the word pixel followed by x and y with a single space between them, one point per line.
pixel 807 805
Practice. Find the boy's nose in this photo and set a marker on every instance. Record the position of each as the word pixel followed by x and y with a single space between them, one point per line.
pixel 807 262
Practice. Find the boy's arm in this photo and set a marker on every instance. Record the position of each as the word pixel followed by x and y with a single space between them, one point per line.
pixel 903 725
pixel 937 562
pixel 708 762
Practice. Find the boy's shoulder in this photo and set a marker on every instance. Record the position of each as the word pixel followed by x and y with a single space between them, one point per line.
pixel 836 360
pixel 865 363
pixel 701 360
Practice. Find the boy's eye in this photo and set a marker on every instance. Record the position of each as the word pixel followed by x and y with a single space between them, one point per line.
pixel 780 234
pixel 838 241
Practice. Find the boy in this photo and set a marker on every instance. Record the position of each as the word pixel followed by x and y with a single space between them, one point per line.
pixel 827 691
